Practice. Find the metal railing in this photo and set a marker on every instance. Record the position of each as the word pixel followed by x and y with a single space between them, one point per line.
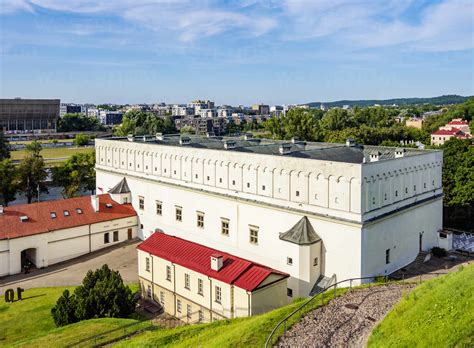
pixel 384 279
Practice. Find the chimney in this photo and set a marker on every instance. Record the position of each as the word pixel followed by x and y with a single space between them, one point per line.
pixel 216 262
pixel 284 149
pixel 350 142
pixel 130 137
pixel 374 157
pixel 229 144
pixel 95 203
pixel 400 153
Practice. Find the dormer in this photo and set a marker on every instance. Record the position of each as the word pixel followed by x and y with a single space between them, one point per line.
pixel 120 193
pixel 284 149
pixel 400 153
pixel 375 156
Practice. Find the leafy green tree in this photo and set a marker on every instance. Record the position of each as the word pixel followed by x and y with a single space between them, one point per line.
pixel 187 130
pixel 101 295
pixel 78 122
pixel 76 174
pixel 32 173
pixel 298 122
pixel 4 147
pixel 8 184
pixel 140 123
pixel 81 139
pixel 64 311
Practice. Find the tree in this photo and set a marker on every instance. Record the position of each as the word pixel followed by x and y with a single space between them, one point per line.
pixel 187 130
pixel 8 185
pixel 101 295
pixel 78 122
pixel 31 172
pixel 4 147
pixel 297 122
pixel 82 139
pixel 64 311
pixel 76 174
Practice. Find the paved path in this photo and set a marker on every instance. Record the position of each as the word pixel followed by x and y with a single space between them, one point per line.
pixel 346 321
pixel 122 257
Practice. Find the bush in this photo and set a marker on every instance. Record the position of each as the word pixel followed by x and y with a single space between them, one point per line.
pixel 101 295
pixel 438 252
pixel 81 140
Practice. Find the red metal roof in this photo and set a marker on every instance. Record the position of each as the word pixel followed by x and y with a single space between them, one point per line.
pixel 243 273
pixel 40 221
pixel 461 123
pixel 453 131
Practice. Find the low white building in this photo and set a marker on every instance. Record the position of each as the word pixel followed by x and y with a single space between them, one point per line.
pixel 49 232
pixel 311 210
pixel 200 284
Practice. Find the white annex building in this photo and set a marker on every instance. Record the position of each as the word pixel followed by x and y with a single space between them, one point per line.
pixel 310 210
pixel 50 232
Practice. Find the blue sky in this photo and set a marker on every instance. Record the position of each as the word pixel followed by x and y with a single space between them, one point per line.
pixel 235 52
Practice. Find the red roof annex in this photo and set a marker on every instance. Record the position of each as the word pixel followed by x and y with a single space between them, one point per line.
pixel 453 131
pixel 79 212
pixel 243 273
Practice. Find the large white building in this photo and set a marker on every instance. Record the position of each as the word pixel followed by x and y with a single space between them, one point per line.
pixel 306 209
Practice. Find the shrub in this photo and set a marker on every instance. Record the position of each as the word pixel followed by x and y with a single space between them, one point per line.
pixel 439 252
pixel 81 140
pixel 102 294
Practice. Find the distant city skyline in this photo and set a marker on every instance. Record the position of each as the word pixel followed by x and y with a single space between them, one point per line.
pixel 235 52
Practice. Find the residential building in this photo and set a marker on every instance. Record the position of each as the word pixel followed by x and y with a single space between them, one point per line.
pixel 49 232
pixel 207 113
pixel 200 284
pixel 182 110
pixel 71 109
pixel 110 117
pixel 261 109
pixel 457 127
pixel 414 122
pixel 28 115
pixel 198 105
pixel 311 210
pixel 457 123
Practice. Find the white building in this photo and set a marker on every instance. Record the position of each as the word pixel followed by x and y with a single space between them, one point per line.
pixel 182 110
pixel 207 113
pixel 200 284
pixel 49 232
pixel 307 209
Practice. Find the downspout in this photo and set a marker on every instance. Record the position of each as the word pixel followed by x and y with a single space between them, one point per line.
pixel 152 279
pixel 248 304
pixel 210 297
pixel 174 287
pixel 90 242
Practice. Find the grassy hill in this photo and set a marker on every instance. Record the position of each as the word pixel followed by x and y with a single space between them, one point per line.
pixel 438 313
pixel 29 322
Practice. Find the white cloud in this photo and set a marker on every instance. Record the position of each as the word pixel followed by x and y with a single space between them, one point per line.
pixel 9 6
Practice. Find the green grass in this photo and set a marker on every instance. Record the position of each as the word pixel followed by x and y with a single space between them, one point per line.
pixel 438 313
pixel 241 332
pixel 52 153
pixel 29 322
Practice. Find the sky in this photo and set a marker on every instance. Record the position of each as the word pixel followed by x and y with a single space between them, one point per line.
pixel 235 52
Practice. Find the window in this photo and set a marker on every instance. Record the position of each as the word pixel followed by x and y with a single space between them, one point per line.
pixel 254 235
pixel 141 202
pixel 53 215
pixel 116 236
pixel 174 172
pixel 189 311
pixel 148 291
pixel 289 292
pixel 106 238
pixel 147 264
pixel 220 180
pixel 200 287
pixel 225 227
pixel 315 196
pixel 406 189
pixel 218 294
pixel 178 306
pixel 164 170
pixel 336 200
pixel 373 200
pixel 201 315
pixel 159 208
pixel 179 214
pixel 66 212
pixel 297 193
pixel 162 298
pixel 200 220
pixel 396 193
pixel 233 182
pixel 289 261
pixel 208 178
pixel 79 210
pixel 196 176
pixel 433 183
pixel 248 185
pixel 424 185
pixel 315 261
pixel 387 256
pixel 186 281
pixel 263 187
pixel 168 273
pixel 414 187
pixel 385 197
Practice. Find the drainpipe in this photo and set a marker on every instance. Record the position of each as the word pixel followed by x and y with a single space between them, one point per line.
pixel 90 242
pixel 248 304
pixel 152 279
pixel 174 287
pixel 210 298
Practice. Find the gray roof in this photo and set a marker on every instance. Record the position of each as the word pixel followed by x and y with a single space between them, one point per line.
pixel 302 233
pixel 121 187
pixel 356 153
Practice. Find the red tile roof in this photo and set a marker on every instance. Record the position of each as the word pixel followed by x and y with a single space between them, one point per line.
pixel 243 273
pixel 461 123
pixel 40 221
pixel 453 131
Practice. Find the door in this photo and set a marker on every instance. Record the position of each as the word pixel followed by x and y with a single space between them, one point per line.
pixel 129 233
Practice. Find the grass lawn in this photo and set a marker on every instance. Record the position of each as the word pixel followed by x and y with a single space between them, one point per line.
pixel 438 313
pixel 241 332
pixel 29 322
pixel 51 153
